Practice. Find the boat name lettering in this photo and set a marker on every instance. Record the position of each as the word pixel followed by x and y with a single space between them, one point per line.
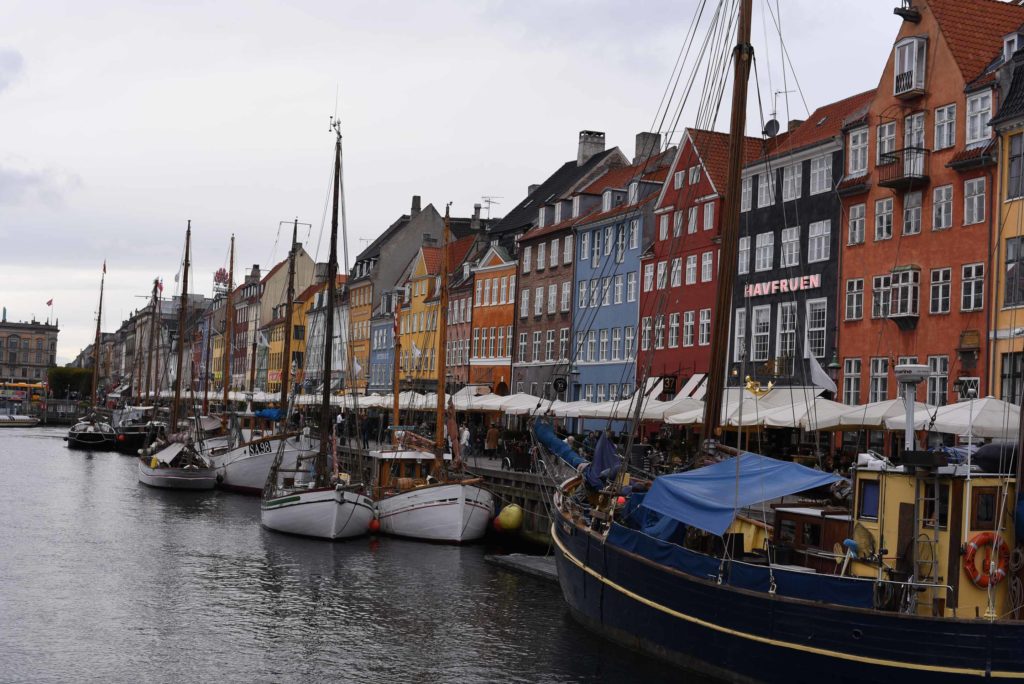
pixel 260 448
pixel 807 282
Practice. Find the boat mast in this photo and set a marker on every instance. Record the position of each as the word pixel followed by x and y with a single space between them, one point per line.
pixel 743 55
pixel 175 406
pixel 229 324
pixel 442 341
pixel 206 368
pixel 286 362
pixel 332 287
pixel 96 344
pixel 149 352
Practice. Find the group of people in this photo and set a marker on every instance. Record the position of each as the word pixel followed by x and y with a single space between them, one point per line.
pixel 491 441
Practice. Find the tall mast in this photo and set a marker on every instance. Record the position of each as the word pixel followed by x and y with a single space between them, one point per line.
pixel 229 325
pixel 286 362
pixel 96 344
pixel 332 287
pixel 206 367
pixel 152 334
pixel 442 339
pixel 182 305
pixel 743 55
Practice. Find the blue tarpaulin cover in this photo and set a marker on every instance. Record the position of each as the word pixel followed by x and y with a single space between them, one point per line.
pixel 270 414
pixel 708 498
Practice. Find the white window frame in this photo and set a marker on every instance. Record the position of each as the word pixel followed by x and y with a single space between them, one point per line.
pixel 945 126
pixel 792 180
pixel 858 151
pixel 821 174
pixel 979 113
pixel 789 253
pixel 819 241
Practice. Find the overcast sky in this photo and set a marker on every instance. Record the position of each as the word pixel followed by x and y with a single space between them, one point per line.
pixel 121 120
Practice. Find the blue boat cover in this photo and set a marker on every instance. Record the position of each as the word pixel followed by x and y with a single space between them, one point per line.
pixel 708 498
pixel 545 434
pixel 270 414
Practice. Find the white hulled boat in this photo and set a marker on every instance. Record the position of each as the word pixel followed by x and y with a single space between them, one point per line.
pixel 299 499
pixel 15 420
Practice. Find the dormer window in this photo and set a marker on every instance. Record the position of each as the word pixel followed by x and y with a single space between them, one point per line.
pixel 558 212
pixel 634 192
pixel 576 206
pixel 979 111
pixel 606 200
pixel 908 72
pixel 1010 45
pixel 694 174
pixel 540 217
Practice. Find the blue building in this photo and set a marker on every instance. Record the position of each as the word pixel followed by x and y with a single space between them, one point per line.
pixel 380 374
pixel 609 241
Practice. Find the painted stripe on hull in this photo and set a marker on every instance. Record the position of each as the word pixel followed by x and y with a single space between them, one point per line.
pixel 680 636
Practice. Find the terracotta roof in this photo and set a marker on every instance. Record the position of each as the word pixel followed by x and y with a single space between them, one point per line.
pixel 974 30
pixel 713 148
pixel 826 122
pixel 615 211
pixel 973 153
pixel 556 227
pixel 457 251
pixel 854 182
pixel 621 177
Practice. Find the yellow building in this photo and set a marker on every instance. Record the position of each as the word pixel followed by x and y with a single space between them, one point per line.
pixel 361 311
pixel 1006 370
pixel 418 327
pixel 275 331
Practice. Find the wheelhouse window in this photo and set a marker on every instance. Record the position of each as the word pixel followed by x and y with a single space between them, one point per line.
pixel 868 499
pixel 908 74
pixel 983 507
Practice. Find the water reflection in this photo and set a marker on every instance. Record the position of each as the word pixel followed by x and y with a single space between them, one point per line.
pixel 104 578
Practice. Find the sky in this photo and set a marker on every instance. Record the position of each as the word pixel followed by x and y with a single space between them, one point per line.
pixel 121 121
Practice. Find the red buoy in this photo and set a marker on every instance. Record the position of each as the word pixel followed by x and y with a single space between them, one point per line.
pixel 375 526
pixel 621 501
pixel 496 523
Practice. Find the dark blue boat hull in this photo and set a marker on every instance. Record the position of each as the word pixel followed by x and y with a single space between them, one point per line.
pixel 740 635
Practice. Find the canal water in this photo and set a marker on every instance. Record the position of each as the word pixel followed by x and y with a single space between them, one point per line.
pixel 104 579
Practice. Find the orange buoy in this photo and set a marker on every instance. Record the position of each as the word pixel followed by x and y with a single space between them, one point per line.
pixel 375 526
pixel 992 572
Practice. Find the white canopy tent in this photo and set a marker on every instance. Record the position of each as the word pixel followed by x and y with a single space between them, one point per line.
pixel 987 418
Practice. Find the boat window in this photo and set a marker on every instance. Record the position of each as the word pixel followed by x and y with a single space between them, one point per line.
pixel 867 500
pixel 983 508
pixel 408 469
pixel 812 534
pixel 787 531
pixel 929 505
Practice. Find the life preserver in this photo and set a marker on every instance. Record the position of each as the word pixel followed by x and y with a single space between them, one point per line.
pixel 984 578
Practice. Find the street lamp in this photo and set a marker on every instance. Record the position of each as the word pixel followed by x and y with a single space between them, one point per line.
pixel 833 366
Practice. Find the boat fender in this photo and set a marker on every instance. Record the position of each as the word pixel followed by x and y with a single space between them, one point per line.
pixel 220 478
pixel 992 573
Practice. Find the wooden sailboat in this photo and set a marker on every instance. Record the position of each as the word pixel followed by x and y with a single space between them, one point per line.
pixel 639 563
pixel 243 461
pixel 295 500
pixel 92 432
pixel 442 504
pixel 136 426
pixel 179 464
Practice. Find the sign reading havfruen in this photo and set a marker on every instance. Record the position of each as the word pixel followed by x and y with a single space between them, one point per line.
pixel 807 282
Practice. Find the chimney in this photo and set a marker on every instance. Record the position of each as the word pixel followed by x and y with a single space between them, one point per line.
pixel 647 145
pixel 474 223
pixel 320 272
pixel 415 206
pixel 793 125
pixel 591 143
pixel 531 188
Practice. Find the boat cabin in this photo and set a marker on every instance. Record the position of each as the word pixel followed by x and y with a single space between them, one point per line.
pixel 400 470
pixel 807 536
pixel 939 524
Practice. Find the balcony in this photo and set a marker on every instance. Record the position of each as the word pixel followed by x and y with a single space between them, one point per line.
pixel 904 169
pixel 908 85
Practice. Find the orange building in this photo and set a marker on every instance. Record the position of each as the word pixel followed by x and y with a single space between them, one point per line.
pixel 494 288
pixel 917 199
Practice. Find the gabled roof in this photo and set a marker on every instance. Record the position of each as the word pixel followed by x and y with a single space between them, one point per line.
pixel 373 249
pixel 556 227
pixel 713 149
pixel 826 122
pixel 619 178
pixel 1012 105
pixel 974 30
pixel 457 251
pixel 523 215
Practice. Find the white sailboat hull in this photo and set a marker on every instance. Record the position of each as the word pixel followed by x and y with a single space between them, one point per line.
pixel 177 478
pixel 444 513
pixel 321 513
pixel 245 468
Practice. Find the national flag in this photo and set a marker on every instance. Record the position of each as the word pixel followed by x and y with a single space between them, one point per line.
pixel 49 303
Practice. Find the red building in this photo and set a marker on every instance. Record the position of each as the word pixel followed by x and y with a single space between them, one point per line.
pixel 678 272
pixel 918 201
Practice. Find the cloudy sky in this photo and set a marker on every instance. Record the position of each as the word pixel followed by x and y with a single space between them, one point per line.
pixel 119 121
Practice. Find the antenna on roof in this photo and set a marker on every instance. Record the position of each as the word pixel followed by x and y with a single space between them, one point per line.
pixel 489 200
pixel 775 102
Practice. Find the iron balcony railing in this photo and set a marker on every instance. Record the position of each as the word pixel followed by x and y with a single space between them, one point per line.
pixel 903 168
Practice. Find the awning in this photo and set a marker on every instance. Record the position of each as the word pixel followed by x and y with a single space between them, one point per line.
pixel 708 498
pixel 695 380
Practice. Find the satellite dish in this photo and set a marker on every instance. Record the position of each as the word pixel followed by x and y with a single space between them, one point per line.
pixel 771 129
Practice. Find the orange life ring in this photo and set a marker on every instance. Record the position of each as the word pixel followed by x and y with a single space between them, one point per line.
pixel 986 577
